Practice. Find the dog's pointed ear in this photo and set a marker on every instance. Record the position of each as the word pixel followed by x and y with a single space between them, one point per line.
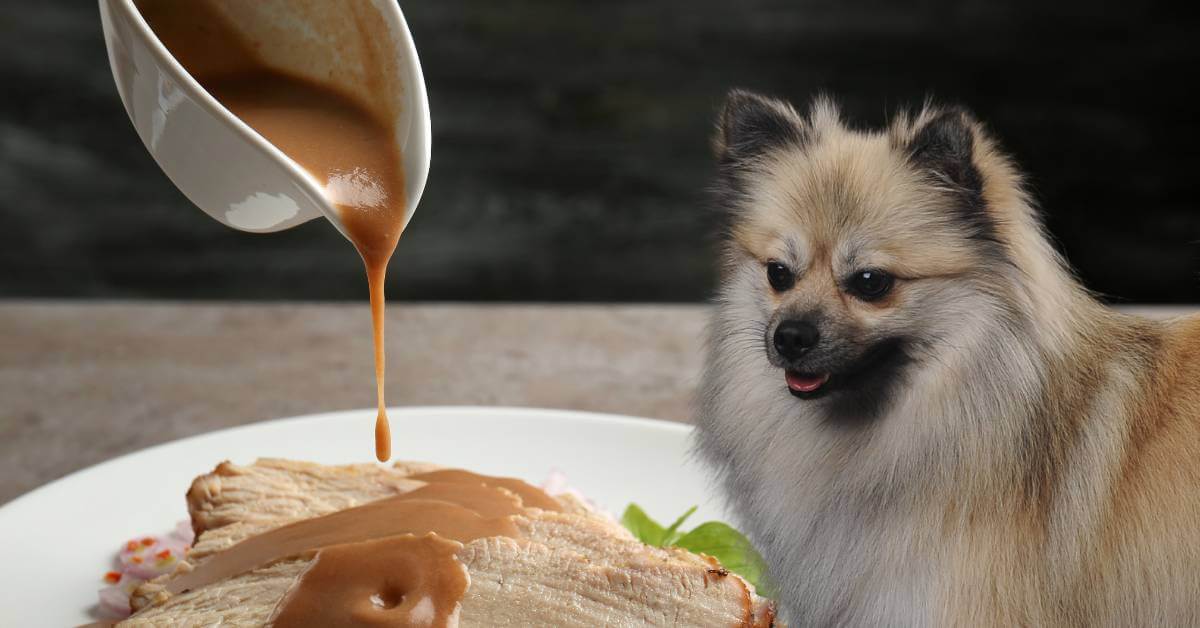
pixel 945 145
pixel 750 125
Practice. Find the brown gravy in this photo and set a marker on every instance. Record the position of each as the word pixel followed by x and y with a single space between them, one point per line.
pixel 422 585
pixel 339 141
pixel 390 562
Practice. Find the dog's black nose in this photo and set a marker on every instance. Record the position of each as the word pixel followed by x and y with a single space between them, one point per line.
pixel 794 338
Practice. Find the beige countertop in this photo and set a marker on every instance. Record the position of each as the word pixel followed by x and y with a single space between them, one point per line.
pixel 82 382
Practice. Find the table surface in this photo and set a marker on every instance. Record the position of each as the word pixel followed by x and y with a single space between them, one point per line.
pixel 82 382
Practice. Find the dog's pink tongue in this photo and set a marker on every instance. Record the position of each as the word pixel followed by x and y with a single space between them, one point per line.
pixel 805 383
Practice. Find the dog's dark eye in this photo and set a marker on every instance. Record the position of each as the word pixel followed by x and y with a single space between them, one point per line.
pixel 780 277
pixel 869 285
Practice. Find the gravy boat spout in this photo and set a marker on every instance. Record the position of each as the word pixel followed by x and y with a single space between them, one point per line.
pixel 362 48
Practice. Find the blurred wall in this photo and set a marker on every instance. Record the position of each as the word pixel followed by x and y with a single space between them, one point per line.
pixel 570 150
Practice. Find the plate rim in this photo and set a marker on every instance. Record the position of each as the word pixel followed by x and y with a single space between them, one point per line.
pixel 525 411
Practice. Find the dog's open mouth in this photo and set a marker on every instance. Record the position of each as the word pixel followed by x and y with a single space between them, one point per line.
pixel 805 385
pixel 878 366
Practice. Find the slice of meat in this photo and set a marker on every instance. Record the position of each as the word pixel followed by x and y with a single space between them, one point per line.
pixel 571 568
pixel 272 492
pixel 245 600
pixel 515 583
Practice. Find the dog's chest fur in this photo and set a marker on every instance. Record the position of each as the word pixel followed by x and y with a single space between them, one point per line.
pixel 847 563
pixel 840 556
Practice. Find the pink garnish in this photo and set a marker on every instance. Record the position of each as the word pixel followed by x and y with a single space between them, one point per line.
pixel 163 552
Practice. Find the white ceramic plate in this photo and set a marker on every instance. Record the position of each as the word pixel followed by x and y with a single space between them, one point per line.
pixel 60 539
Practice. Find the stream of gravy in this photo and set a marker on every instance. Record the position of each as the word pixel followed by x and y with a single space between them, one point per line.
pixel 337 140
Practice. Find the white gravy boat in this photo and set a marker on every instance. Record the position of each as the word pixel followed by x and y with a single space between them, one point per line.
pixel 220 163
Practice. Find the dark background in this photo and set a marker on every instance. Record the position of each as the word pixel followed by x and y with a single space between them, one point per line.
pixel 570 145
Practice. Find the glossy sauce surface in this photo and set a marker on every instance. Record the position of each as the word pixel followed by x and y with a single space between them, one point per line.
pixel 340 142
pixel 390 562
pixel 396 581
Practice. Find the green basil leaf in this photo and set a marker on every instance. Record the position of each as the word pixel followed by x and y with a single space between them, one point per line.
pixel 642 526
pixel 732 549
pixel 671 534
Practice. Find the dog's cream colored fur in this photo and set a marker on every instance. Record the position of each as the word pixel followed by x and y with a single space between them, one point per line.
pixel 1039 464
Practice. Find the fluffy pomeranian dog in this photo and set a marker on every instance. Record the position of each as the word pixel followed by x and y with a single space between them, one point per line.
pixel 918 413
